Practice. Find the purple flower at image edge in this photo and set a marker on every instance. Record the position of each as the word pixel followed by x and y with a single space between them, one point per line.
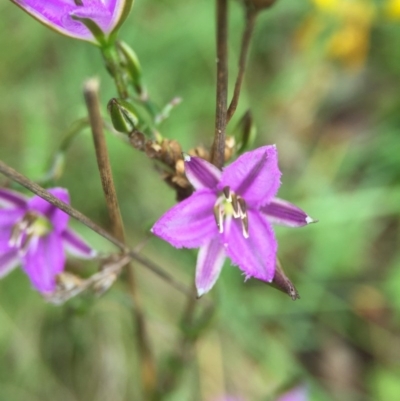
pixel 35 234
pixel 62 15
pixel 296 394
pixel 230 215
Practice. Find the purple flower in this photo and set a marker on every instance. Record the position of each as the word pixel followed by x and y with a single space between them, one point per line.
pixel 34 233
pixel 296 394
pixel 65 16
pixel 230 214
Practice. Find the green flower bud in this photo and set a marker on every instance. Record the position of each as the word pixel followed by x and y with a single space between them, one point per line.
pixel 123 115
pixel 245 132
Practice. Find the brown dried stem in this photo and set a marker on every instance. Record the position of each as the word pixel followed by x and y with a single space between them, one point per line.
pixel 91 94
pixel 218 148
pixel 251 14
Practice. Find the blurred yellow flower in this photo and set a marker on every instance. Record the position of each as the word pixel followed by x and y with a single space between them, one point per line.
pixel 344 28
pixel 392 9
pixel 326 5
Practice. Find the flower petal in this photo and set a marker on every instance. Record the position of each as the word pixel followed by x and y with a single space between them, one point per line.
pixel 210 260
pixel 255 255
pixel 190 223
pixel 11 199
pixel 75 245
pixel 57 15
pixel 201 173
pixel 58 218
pixel 7 220
pixel 255 176
pixel 9 217
pixel 284 213
pixel 8 261
pixel 120 10
pixel 44 259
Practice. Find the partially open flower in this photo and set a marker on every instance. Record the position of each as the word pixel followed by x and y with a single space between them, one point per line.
pixel 79 18
pixel 230 214
pixel 35 234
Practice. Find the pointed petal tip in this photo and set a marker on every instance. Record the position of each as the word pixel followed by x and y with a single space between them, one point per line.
pixel 77 246
pixel 93 254
pixel 282 212
pixel 186 157
pixel 310 220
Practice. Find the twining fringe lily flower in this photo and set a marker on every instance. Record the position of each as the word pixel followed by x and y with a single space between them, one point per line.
pixel 34 233
pixel 69 17
pixel 230 214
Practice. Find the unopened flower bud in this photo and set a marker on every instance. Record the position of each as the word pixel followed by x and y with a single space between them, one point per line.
pixel 245 132
pixel 282 283
pixel 123 115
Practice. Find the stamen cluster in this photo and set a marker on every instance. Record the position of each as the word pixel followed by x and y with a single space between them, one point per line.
pixel 231 204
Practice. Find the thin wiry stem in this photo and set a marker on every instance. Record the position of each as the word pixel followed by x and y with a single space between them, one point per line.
pixel 91 94
pixel 251 15
pixel 111 59
pixel 57 165
pixel 15 176
pixel 190 331
pixel 218 148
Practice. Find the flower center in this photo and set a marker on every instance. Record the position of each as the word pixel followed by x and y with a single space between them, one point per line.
pixel 31 225
pixel 230 205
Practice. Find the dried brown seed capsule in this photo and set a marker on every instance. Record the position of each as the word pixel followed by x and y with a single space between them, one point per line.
pixel 137 140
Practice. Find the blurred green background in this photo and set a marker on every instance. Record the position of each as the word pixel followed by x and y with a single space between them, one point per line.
pixel 323 83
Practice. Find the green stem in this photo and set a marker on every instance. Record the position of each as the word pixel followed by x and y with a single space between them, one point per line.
pixel 112 62
pixel 57 165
